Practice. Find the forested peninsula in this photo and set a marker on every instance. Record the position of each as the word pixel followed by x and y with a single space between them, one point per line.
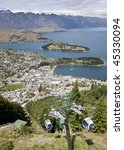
pixel 82 61
pixel 64 46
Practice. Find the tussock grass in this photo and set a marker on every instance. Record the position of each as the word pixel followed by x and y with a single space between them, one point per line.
pixel 40 140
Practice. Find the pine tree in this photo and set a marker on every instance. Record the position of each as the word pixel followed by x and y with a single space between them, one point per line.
pixel 10 111
pixel 100 116
pixel 74 118
pixel 75 94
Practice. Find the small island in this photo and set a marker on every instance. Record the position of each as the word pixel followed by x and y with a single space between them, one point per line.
pixel 64 46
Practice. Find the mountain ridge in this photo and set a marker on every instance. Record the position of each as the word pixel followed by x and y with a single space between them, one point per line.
pixel 22 20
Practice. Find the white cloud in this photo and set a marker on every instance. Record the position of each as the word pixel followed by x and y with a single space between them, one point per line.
pixel 70 7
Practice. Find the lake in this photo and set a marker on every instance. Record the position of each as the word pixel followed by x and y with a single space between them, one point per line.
pixel 91 72
pixel 94 38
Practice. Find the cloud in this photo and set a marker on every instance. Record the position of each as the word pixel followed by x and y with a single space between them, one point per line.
pixel 70 7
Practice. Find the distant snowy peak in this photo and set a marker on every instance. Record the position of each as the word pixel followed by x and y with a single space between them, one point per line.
pixel 5 12
pixel 23 20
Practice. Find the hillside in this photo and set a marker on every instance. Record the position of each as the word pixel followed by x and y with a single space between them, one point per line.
pixel 34 137
pixel 12 138
pixel 23 20
pixel 10 111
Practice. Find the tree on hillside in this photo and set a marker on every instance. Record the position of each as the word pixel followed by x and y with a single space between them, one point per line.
pixel 10 111
pixel 38 110
pixel 75 93
pixel 97 91
pixel 18 112
pixel 100 116
pixel 74 118
pixel 96 97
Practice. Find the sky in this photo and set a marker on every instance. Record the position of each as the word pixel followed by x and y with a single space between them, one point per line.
pixel 92 8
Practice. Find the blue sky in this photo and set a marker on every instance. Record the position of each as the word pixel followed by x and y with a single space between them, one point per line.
pixel 69 7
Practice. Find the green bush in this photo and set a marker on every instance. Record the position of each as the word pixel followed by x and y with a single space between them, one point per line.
pixel 6 145
pixel 10 111
pixel 94 98
pixel 26 130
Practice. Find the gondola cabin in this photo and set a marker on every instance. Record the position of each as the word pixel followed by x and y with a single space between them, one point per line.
pixel 48 125
pixel 79 107
pixel 61 123
pixel 56 114
pixel 88 124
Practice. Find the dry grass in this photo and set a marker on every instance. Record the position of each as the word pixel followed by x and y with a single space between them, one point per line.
pixel 99 139
pixel 13 35
pixel 39 140
pixel 22 142
pixel 17 35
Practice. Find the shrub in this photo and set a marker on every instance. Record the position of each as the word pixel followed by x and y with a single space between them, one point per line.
pixel 6 145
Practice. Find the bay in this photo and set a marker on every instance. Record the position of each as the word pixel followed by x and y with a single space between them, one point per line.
pixel 94 38
pixel 90 72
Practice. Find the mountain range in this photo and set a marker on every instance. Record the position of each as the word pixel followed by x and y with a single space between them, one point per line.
pixel 21 20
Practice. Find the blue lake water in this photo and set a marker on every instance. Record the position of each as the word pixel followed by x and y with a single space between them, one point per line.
pixel 94 38
pixel 91 72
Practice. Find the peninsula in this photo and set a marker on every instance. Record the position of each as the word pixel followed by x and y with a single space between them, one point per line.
pixel 23 75
pixel 7 35
pixel 64 46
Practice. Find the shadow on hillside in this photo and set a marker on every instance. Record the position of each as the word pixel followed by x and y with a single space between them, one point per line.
pixel 73 140
pixel 89 141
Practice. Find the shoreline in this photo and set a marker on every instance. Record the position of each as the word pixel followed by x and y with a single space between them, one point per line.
pixel 23 36
pixel 54 65
pixel 39 38
pixel 33 35
pixel 33 75
pixel 61 46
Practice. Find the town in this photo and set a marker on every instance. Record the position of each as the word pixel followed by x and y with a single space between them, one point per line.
pixel 23 78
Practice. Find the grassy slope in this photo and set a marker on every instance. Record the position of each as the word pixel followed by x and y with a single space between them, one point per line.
pixel 61 144
pixel 39 140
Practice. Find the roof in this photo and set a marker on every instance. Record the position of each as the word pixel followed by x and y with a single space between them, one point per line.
pixel 65 96
pixel 61 121
pixel 88 120
pixel 48 121
pixel 19 123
